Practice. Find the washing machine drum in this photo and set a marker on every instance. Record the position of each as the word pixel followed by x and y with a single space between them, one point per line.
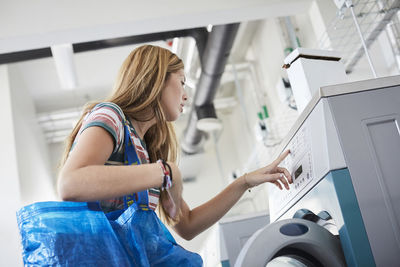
pixel 292 242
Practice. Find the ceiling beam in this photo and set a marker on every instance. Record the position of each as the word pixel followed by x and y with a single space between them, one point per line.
pixel 29 25
pixel 199 34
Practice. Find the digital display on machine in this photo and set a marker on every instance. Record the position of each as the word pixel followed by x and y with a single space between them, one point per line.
pixel 298 172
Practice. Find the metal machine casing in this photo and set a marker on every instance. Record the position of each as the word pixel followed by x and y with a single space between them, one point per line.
pixel 353 127
pixel 315 148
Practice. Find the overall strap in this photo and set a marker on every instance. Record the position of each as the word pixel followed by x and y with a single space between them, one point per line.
pixel 131 158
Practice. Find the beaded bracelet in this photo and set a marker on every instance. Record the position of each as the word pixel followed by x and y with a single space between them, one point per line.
pixel 166 174
pixel 169 168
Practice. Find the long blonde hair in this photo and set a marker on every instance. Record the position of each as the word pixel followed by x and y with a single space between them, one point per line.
pixel 137 92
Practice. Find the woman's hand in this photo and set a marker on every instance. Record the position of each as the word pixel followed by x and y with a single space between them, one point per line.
pixel 173 198
pixel 270 173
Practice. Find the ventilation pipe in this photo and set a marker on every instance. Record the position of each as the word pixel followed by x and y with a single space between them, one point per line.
pixel 393 34
pixel 216 53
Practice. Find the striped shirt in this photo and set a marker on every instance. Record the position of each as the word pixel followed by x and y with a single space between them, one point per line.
pixel 109 116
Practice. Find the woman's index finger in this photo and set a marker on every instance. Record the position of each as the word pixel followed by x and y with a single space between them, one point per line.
pixel 282 156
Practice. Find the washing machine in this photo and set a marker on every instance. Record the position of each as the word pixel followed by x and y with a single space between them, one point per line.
pixel 343 208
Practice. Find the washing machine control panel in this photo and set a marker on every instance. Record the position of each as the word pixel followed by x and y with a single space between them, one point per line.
pixel 299 164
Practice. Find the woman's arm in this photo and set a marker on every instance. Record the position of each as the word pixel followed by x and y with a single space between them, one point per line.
pixel 195 221
pixel 84 177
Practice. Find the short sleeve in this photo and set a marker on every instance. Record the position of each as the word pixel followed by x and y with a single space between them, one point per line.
pixel 110 117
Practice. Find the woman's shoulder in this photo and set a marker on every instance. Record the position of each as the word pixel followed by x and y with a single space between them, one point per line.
pixel 108 116
pixel 109 108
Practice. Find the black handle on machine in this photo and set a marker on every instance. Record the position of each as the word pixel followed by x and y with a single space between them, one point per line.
pixel 311 216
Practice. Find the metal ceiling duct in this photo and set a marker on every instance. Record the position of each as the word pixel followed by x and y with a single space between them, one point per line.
pixel 214 58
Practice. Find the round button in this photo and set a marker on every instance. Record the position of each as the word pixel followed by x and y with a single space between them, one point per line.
pixel 293 229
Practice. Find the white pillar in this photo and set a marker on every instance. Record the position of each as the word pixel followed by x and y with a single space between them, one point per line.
pixel 10 248
pixel 36 181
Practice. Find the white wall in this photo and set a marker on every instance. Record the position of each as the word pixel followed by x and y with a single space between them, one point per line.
pixel 36 181
pixel 56 151
pixel 10 252
pixel 24 164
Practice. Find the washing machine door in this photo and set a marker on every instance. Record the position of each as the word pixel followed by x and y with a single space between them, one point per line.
pixel 292 242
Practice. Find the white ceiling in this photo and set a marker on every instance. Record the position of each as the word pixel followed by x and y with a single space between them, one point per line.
pixel 42 23
pixel 96 71
pixel 39 24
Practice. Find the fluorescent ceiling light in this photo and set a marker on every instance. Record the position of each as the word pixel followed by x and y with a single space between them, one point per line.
pixel 63 55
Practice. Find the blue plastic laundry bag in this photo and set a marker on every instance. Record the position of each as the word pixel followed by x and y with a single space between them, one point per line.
pixel 143 233
pixel 80 234
pixel 68 234
pixel 73 234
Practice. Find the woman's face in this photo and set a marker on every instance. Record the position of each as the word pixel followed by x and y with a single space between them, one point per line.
pixel 173 96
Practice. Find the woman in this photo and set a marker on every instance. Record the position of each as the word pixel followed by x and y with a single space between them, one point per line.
pixel 150 94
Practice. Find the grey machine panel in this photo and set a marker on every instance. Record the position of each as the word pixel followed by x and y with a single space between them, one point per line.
pixel 368 125
pixel 292 234
pixel 236 231
pixel 366 117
